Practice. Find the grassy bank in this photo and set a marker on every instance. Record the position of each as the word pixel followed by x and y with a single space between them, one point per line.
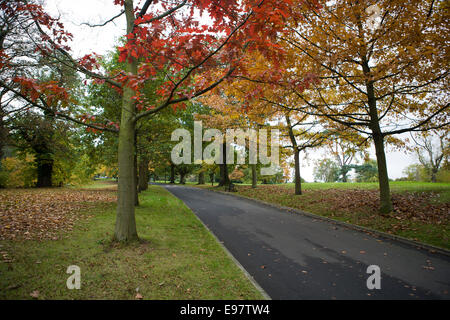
pixel 443 189
pixel 421 209
pixel 177 258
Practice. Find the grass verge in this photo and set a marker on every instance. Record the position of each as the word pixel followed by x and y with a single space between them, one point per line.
pixel 443 189
pixel 177 258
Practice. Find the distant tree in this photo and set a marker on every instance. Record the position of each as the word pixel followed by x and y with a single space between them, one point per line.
pixel 225 112
pixel 433 150
pixel 302 136
pixel 326 170
pixel 40 136
pixel 236 175
pixel 415 172
pixel 183 170
pixel 345 148
pixel 367 172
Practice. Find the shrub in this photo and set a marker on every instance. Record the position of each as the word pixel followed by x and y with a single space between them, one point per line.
pixel 443 176
pixel 3 178
pixel 18 172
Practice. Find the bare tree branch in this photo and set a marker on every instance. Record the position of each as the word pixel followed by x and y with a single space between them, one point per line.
pixel 104 23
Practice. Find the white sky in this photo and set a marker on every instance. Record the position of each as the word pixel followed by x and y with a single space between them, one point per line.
pixel 102 39
pixel 86 39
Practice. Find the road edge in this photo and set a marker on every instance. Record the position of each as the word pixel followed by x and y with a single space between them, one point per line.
pixel 238 264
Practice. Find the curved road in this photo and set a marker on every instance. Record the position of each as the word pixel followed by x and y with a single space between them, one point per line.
pixel 294 256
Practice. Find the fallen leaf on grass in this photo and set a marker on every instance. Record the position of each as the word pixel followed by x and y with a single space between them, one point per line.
pixel 37 214
pixel 416 206
pixel 14 287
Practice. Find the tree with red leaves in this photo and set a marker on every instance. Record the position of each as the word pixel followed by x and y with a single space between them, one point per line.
pixel 162 37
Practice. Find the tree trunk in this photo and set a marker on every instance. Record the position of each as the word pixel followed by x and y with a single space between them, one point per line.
pixel 225 175
pixel 378 139
pixel 182 178
pixel 172 173
pixel 221 175
pixel 254 175
pixel 224 179
pixel 211 177
pixel 201 178
pixel 136 178
pixel 125 222
pixel 143 174
pixel 383 179
pixel 3 134
pixel 44 172
pixel 125 229
pixel 344 176
pixel 297 177
pixel 433 174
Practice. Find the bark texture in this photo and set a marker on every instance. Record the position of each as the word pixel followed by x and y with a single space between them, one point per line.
pixel 125 229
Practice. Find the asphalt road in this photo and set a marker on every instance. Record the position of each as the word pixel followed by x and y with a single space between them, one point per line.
pixel 292 256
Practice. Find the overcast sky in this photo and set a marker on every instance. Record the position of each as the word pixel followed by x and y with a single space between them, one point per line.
pixel 102 39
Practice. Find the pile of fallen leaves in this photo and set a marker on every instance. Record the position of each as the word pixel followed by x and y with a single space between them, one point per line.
pixel 421 207
pixel 45 213
pixel 418 206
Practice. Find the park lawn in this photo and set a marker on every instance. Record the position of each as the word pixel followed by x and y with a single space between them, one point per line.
pixel 99 184
pixel 177 258
pixel 422 210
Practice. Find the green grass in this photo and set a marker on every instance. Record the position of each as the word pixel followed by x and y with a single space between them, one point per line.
pixel 177 258
pixel 98 184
